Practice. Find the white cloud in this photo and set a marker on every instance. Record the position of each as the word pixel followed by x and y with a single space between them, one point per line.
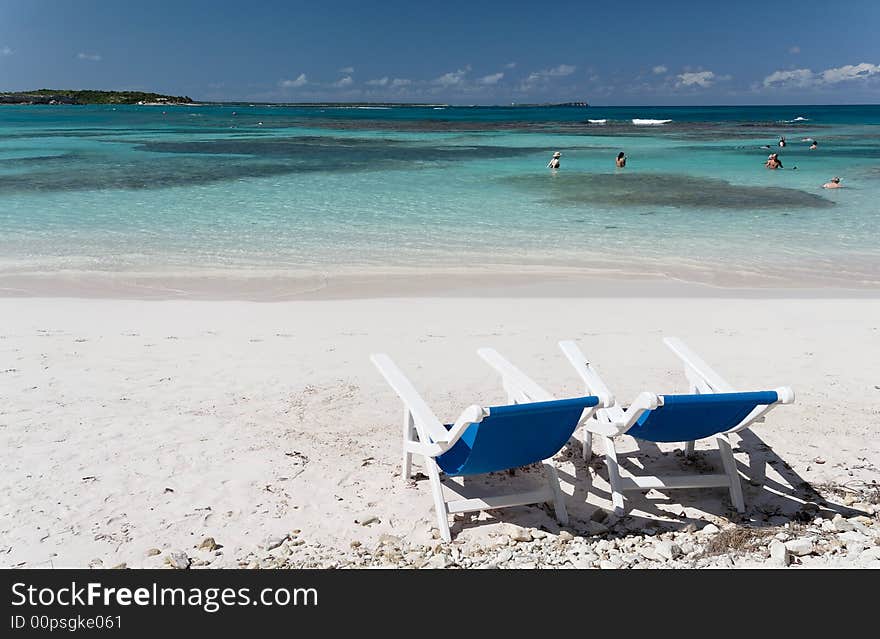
pixel 343 82
pixel 452 78
pixel 6 51
pixel 91 57
pixel 794 78
pixel 346 70
pixel 803 78
pixel 795 50
pixel 850 72
pixel 385 81
pixel 491 79
pixel 695 78
pixel 659 69
pixel 542 76
pixel 292 84
pixel 510 65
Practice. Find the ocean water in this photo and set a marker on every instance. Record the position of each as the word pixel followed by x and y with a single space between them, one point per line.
pixel 282 190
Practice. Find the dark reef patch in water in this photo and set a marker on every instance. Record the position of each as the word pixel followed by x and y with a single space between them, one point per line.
pixel 194 163
pixel 335 151
pixel 656 189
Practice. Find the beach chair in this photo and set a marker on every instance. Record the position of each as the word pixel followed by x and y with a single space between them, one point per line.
pixel 712 409
pixel 532 428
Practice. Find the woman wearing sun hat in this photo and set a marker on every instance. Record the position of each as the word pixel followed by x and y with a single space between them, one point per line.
pixel 554 161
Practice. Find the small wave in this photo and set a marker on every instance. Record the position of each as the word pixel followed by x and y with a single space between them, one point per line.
pixel 597 121
pixel 642 121
pixel 372 107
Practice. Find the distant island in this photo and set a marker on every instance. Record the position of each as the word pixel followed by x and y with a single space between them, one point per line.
pixel 59 96
pixel 553 104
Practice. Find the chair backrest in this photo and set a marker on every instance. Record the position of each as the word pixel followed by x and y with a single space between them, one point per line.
pixel 683 418
pixel 515 435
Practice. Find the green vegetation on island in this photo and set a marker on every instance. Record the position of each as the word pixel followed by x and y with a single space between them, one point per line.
pixel 61 96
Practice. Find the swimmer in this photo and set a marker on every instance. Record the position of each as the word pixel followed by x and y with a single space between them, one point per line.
pixel 554 161
pixel 833 184
pixel 621 160
pixel 814 145
pixel 781 141
pixel 773 161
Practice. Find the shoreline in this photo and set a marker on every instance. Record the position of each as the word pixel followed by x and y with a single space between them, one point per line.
pixel 403 283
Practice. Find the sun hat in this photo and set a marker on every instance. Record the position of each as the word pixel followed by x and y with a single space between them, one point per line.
pixel 557 154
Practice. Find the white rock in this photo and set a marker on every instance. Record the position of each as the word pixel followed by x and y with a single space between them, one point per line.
pixel 841 524
pixel 710 529
pixel 779 553
pixel 800 547
pixel 504 556
pixel 500 542
pixel 517 533
pixel 590 557
pixel 178 559
pixel 870 554
pixel 668 550
pixel 854 538
pixel 273 542
pixel 607 564
pixel 438 561
pixel 648 553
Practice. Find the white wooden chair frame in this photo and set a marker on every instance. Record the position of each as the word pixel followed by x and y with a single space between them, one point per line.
pixel 425 435
pixel 612 421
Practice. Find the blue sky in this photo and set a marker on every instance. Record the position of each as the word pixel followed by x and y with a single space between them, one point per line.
pixel 631 53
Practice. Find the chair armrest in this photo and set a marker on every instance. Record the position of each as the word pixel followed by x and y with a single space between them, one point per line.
pixel 473 414
pixel 643 402
pixel 785 395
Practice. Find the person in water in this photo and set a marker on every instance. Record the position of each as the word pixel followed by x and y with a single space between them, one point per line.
pixel 782 141
pixel 833 184
pixel 554 161
pixel 773 161
pixel 813 145
pixel 621 160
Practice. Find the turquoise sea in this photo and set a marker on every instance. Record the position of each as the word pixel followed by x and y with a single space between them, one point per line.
pixel 283 190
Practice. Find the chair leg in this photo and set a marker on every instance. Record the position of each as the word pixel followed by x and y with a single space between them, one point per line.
pixel 407 437
pixel 588 444
pixel 439 502
pixel 736 495
pixel 614 476
pixel 689 446
pixel 558 501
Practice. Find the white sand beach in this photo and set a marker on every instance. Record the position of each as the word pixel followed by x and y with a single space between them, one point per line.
pixel 138 427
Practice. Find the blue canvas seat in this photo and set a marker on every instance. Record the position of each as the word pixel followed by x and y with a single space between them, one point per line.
pixel 532 428
pixel 712 409
pixel 514 435
pixel 681 418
